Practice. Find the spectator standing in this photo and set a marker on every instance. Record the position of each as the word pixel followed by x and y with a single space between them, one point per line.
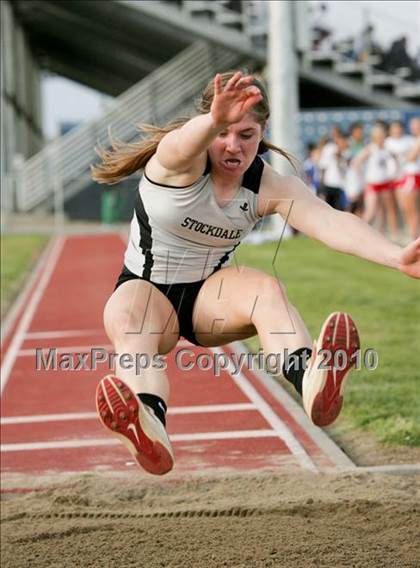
pixel 311 168
pixel 333 166
pixel 353 182
pixel 399 144
pixel 398 57
pixel 355 141
pixel 321 32
pixel 408 186
pixel 364 44
pixel 380 167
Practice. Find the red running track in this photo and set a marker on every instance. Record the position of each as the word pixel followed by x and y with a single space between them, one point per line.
pixel 227 423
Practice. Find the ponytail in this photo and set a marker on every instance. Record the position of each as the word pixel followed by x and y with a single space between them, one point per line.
pixel 264 146
pixel 124 159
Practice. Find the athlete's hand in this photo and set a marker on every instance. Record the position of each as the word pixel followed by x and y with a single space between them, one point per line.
pixel 232 102
pixel 410 259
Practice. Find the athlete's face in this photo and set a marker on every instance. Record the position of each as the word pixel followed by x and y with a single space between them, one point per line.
pixel 233 151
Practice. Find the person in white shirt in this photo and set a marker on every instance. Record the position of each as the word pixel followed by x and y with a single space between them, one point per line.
pixel 406 148
pixel 379 171
pixel 399 144
pixel 333 165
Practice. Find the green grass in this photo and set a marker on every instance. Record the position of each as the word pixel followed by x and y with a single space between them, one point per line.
pixel 384 303
pixel 18 255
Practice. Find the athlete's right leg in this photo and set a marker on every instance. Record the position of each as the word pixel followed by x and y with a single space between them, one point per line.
pixel 139 320
pixel 142 324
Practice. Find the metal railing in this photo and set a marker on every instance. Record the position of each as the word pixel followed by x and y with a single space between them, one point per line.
pixel 63 167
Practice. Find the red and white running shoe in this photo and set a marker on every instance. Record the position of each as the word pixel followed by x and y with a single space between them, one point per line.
pixel 333 357
pixel 137 426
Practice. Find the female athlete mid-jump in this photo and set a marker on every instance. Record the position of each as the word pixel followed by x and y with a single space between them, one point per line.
pixel 204 187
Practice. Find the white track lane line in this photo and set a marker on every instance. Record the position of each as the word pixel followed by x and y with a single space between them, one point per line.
pixel 233 435
pixel 79 348
pixel 59 350
pixel 68 333
pixel 22 298
pixel 9 420
pixel 281 430
pixel 320 438
pixel 26 319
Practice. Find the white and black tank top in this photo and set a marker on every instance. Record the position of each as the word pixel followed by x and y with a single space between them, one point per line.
pixel 181 234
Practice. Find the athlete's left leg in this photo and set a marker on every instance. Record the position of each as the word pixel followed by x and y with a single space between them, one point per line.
pixel 239 302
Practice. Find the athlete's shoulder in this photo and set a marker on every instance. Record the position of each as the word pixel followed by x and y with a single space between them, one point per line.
pixel 271 178
pixel 276 187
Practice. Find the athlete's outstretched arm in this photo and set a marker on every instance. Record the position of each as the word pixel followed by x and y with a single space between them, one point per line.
pixel 179 149
pixel 341 231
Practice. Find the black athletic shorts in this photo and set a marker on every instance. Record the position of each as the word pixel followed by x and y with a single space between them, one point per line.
pixel 181 296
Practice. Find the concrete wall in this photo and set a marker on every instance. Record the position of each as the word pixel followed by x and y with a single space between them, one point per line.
pixel 21 126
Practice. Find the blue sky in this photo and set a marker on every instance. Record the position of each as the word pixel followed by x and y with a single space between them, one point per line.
pixel 64 100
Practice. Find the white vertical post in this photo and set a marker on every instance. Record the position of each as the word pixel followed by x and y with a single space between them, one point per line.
pixel 283 87
pixel 283 80
pixel 302 30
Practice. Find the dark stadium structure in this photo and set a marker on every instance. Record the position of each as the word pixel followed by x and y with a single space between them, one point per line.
pixel 113 45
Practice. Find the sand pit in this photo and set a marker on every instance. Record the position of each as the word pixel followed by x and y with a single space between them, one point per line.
pixel 253 520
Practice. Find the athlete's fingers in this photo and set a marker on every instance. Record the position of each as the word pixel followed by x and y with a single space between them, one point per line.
pixel 218 84
pixel 249 91
pixel 233 80
pixel 252 93
pixel 253 90
pixel 252 101
pixel 244 82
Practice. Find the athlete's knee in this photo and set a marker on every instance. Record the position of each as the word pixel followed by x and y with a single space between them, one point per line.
pixel 133 331
pixel 124 325
pixel 271 295
pixel 272 288
pixel 118 323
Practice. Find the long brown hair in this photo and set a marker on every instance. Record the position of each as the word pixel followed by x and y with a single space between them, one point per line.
pixel 124 159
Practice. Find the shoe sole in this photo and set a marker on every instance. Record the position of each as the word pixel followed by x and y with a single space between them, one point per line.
pixel 338 334
pixel 120 412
